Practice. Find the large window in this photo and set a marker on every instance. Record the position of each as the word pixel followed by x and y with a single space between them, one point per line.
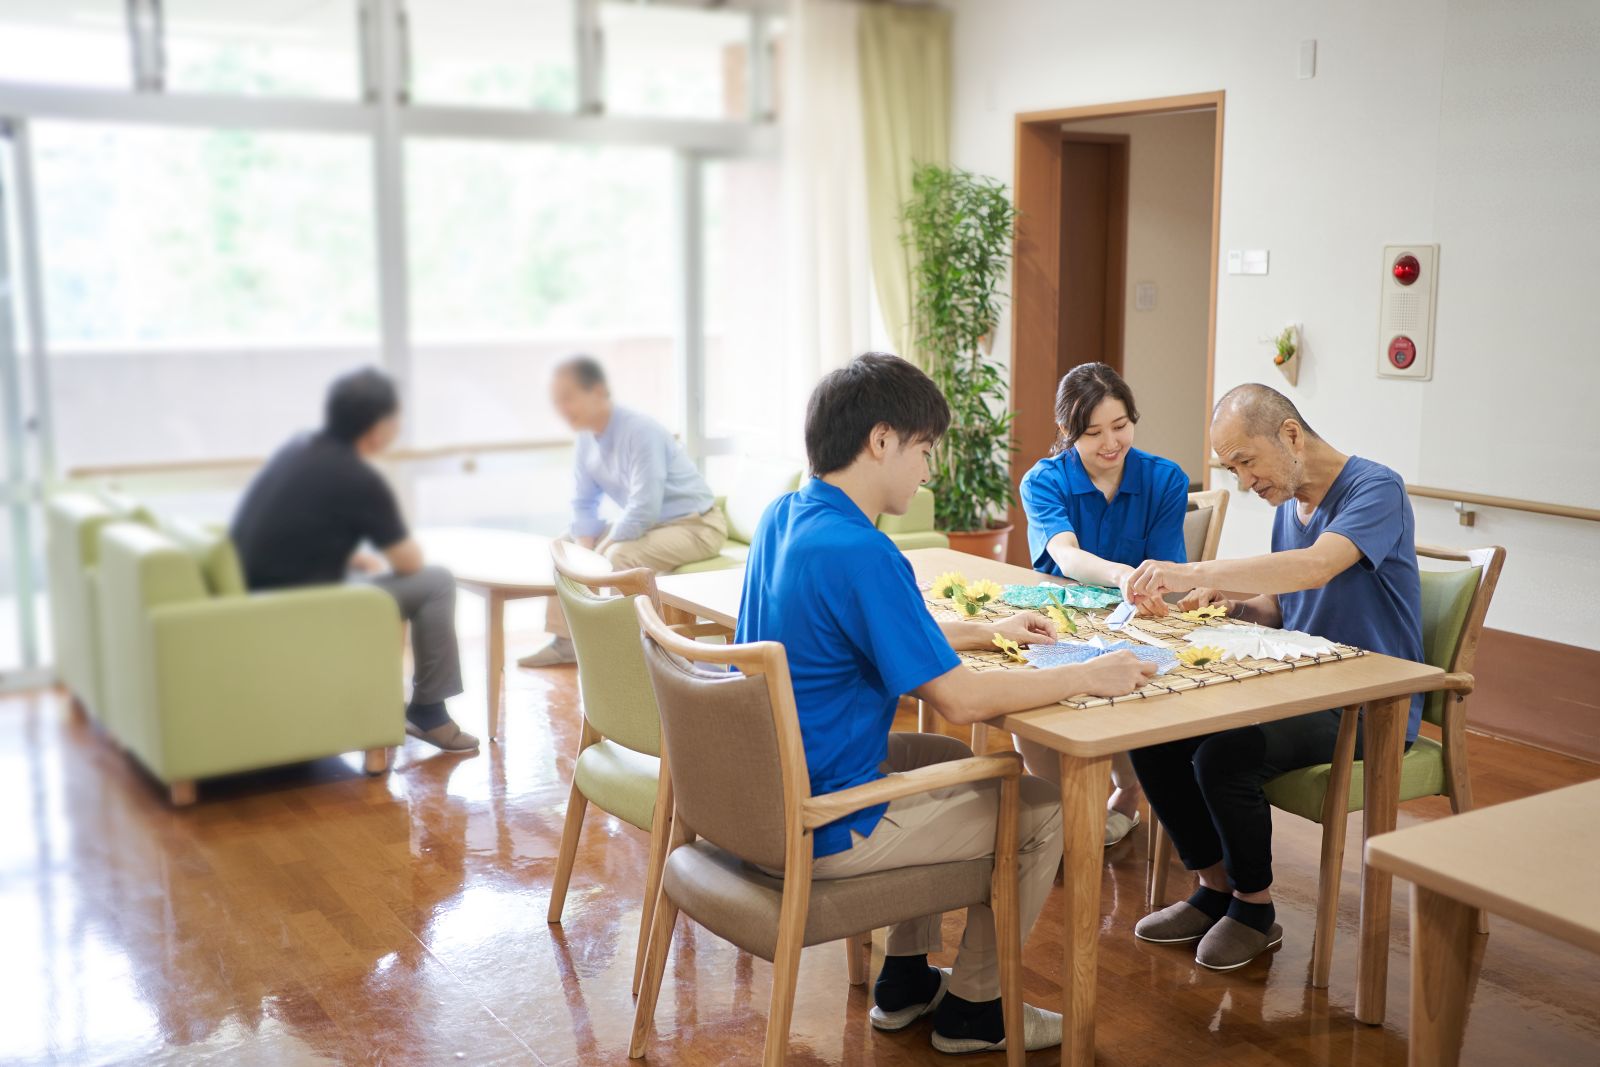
pixel 522 254
pixel 674 61
pixel 496 53
pixel 260 47
pixel 47 42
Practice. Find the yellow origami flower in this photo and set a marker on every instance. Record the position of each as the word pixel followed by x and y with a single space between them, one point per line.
pixel 1205 614
pixel 982 591
pixel 1063 620
pixel 947 585
pixel 1199 655
pixel 1012 650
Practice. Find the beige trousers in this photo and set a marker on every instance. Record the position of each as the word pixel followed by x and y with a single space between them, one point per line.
pixel 662 548
pixel 946 826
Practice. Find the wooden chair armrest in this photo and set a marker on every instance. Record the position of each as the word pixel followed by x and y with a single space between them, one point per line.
pixel 700 629
pixel 1457 682
pixel 819 811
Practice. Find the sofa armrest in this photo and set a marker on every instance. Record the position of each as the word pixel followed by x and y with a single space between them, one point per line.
pixel 274 678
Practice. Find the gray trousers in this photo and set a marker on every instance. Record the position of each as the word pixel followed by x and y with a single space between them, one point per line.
pixel 427 601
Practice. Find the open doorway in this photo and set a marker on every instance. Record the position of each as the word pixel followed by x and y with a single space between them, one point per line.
pixel 1116 261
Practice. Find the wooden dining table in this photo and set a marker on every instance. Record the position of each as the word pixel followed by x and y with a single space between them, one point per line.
pixel 1086 739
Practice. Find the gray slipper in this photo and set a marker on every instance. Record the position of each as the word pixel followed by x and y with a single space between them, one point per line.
pixel 449 737
pixel 1176 924
pixel 1231 944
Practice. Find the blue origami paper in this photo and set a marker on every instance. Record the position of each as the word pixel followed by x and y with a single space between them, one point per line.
pixel 1069 652
pixel 1083 597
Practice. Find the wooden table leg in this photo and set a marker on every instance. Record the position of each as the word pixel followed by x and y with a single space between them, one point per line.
pixel 1084 785
pixel 1383 745
pixel 1442 932
pixel 495 640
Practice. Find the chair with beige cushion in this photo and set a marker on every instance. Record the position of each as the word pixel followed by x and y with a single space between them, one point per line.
pixel 1454 604
pixel 736 771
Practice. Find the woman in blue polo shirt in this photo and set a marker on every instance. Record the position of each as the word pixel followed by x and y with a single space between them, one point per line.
pixel 1097 508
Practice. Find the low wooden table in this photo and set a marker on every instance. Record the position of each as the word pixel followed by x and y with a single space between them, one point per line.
pixel 1087 739
pixel 1534 861
pixel 498 565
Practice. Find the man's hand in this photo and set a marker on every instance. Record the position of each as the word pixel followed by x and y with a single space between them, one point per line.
pixel 367 563
pixel 1027 628
pixel 1199 598
pixel 1154 577
pixel 585 542
pixel 1116 674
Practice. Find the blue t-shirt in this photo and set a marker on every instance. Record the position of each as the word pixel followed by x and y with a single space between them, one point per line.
pixel 1377 603
pixel 1143 521
pixel 843 601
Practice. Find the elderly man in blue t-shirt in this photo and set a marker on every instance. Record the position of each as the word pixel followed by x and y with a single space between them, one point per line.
pixel 1343 566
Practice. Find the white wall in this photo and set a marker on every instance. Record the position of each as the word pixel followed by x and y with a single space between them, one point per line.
pixel 1465 122
pixel 1170 161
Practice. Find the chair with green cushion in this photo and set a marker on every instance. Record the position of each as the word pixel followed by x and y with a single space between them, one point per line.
pixel 759 483
pixel 72 546
pixel 618 766
pixel 1454 603
pixel 202 679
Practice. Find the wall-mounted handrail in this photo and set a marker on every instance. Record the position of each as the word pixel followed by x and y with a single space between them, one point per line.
pixel 397 455
pixel 1507 503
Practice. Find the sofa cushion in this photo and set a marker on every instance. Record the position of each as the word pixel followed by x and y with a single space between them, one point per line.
pixel 756 484
pixel 213 552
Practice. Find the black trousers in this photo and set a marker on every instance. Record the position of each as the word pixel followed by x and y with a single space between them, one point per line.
pixel 1207 791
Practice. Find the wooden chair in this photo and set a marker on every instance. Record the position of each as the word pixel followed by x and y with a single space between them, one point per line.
pixel 617 767
pixel 736 772
pixel 1454 603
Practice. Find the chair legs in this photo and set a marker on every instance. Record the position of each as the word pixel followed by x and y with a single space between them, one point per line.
pixel 1008 921
pixel 786 961
pixel 1158 861
pixel 577 804
pixel 1460 782
pixel 655 968
pixel 858 957
pixel 660 827
pixel 376 761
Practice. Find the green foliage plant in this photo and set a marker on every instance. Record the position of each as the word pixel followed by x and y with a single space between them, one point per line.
pixel 958 227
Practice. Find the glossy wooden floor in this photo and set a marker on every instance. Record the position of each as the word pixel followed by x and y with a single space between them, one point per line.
pixel 317 916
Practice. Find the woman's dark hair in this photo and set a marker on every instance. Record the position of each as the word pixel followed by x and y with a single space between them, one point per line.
pixel 873 388
pixel 1080 392
pixel 357 402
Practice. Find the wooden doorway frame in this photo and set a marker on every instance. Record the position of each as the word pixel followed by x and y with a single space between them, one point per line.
pixel 1036 272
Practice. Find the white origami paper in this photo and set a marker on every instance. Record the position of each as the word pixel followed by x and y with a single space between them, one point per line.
pixel 1248 641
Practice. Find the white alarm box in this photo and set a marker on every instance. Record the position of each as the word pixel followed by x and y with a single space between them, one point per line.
pixel 1405 311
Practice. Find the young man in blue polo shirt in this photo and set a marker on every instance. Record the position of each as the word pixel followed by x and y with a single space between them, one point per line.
pixel 1343 566
pixel 833 589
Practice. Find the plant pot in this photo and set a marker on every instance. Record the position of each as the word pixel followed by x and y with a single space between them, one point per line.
pixel 990 543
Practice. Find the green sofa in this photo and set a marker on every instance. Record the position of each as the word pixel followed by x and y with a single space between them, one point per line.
pixel 757 486
pixel 195 676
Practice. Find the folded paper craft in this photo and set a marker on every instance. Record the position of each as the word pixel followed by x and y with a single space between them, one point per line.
pixel 1246 641
pixel 1083 597
pixel 1065 653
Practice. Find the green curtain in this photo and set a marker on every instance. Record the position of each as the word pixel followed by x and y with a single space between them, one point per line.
pixel 905 99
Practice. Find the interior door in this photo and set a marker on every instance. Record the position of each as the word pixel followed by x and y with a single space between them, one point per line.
pixel 1094 235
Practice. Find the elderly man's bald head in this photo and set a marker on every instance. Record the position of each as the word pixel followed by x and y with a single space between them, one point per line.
pixel 1258 410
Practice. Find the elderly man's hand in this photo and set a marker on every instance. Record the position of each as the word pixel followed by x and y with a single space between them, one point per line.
pixel 1155 577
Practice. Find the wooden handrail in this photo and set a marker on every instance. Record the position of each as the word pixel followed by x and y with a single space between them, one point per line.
pixel 398 455
pixel 1506 503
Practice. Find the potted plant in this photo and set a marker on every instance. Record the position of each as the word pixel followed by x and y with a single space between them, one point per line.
pixel 1286 345
pixel 958 227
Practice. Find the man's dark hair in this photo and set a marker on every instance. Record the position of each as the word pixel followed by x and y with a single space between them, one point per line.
pixel 1263 409
pixel 873 388
pixel 357 402
pixel 1080 392
pixel 585 370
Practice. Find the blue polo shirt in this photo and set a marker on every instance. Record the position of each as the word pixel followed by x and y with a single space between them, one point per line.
pixel 842 599
pixel 1376 604
pixel 1144 520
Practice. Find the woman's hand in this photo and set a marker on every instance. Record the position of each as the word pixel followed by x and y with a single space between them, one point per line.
pixel 1200 598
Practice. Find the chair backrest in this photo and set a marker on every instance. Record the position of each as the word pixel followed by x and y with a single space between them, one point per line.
pixel 1454 604
pixel 733 751
pixel 1202 524
pixel 617 699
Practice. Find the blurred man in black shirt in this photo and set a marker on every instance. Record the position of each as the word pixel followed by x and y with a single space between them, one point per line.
pixel 306 514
